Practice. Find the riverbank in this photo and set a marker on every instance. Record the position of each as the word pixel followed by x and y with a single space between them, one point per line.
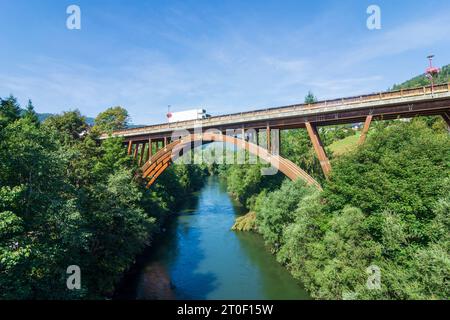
pixel 384 204
pixel 246 222
pixel 199 257
pixel 125 290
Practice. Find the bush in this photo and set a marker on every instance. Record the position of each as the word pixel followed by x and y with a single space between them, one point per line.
pixel 67 200
pixel 386 206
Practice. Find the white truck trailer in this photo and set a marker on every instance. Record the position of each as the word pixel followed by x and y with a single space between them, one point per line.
pixel 193 114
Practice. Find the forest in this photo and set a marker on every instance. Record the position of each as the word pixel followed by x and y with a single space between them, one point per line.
pixel 385 206
pixel 66 199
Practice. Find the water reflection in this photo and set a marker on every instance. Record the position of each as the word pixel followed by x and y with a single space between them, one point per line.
pixel 199 257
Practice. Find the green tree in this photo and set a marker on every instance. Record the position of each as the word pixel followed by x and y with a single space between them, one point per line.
pixel 114 118
pixel 66 199
pixel 278 211
pixel 9 110
pixel 402 169
pixel 310 98
pixel 245 182
pixel 31 114
pixel 70 126
pixel 386 205
pixel 297 147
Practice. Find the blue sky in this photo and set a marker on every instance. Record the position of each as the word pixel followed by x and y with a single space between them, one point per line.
pixel 225 56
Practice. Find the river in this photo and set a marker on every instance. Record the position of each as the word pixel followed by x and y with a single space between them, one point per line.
pixel 199 257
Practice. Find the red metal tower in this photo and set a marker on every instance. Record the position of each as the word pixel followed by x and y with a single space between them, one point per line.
pixel 431 71
pixel 169 114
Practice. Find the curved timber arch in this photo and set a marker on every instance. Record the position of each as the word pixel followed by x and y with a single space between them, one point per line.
pixel 160 161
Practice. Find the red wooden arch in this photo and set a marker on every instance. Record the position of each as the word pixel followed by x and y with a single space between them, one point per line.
pixel 161 160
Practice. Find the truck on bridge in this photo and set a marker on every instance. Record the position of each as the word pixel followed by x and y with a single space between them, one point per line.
pixel 193 114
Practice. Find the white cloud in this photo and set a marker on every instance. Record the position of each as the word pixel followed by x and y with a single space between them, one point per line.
pixel 409 36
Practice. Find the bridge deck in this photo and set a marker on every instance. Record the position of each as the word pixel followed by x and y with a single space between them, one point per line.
pixel 384 105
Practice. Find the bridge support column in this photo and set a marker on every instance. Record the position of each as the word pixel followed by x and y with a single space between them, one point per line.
pixel 136 150
pixel 275 143
pixel 141 157
pixel 130 147
pixel 365 129
pixel 268 138
pixel 446 117
pixel 318 148
pixel 150 151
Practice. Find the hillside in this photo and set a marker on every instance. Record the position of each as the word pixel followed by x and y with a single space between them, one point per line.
pixel 422 80
pixel 347 144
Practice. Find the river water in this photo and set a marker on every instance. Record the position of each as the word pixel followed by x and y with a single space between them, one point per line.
pixel 199 257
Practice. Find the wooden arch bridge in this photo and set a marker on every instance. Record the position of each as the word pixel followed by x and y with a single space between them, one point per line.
pixel 159 162
pixel 155 149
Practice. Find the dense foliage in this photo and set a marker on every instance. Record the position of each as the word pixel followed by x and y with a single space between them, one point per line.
pixel 386 205
pixel 296 146
pixel 386 208
pixel 245 182
pixel 66 199
pixel 115 118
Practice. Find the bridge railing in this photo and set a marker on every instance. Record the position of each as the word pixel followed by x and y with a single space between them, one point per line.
pixel 403 93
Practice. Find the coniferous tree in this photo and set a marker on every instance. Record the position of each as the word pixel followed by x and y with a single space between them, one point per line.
pixel 9 110
pixel 31 114
pixel 310 98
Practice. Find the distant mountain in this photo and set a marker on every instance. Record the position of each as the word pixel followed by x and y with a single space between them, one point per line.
pixel 422 80
pixel 42 116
